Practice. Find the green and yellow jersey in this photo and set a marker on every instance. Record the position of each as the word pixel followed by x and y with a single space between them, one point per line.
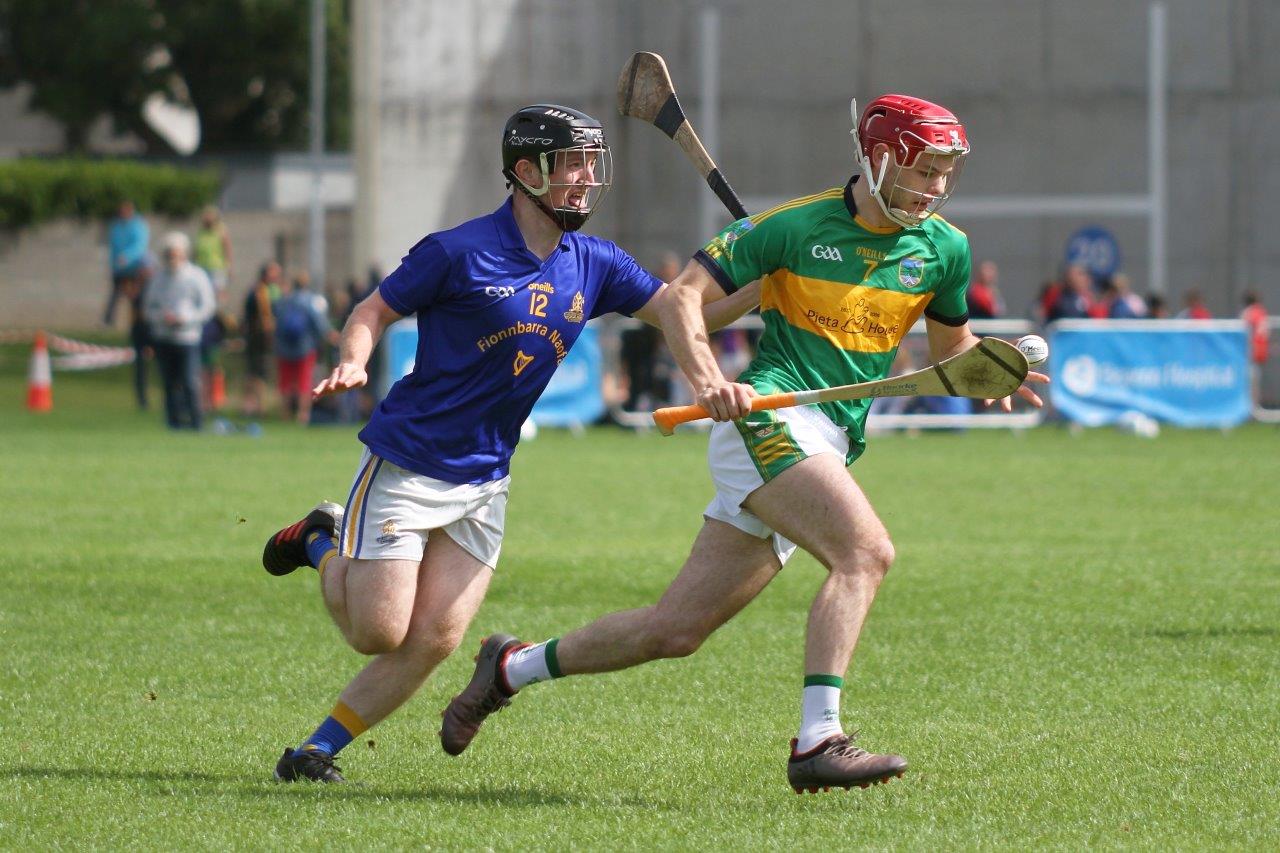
pixel 838 294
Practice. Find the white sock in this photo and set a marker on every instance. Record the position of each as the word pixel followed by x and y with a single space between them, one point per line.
pixel 819 716
pixel 527 666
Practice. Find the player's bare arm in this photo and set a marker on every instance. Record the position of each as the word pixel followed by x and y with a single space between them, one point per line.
pixel 717 312
pixel 363 329
pixel 721 310
pixel 679 308
pixel 946 341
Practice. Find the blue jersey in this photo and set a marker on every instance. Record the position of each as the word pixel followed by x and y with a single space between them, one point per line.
pixel 493 323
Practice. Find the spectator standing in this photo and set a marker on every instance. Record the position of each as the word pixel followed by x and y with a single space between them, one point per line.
pixel 984 299
pixel 1042 308
pixel 178 302
pixel 259 334
pixel 1156 309
pixel 133 289
pixel 1125 304
pixel 1195 308
pixel 213 255
pixel 128 237
pixel 1255 320
pixel 213 248
pixel 302 327
pixel 1076 296
pixel 639 351
pixel 212 337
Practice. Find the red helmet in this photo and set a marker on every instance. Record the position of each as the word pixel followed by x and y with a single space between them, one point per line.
pixel 909 127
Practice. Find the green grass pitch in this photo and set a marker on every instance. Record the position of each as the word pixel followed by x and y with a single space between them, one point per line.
pixel 1078 646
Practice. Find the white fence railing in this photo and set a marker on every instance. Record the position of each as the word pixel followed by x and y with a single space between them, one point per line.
pixel 913 354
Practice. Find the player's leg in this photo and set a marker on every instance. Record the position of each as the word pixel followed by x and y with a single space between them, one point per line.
pixel 450 586
pixel 817 505
pixel 725 570
pixel 413 619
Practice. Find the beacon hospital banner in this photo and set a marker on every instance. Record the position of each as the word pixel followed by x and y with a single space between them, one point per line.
pixel 1191 373
pixel 573 397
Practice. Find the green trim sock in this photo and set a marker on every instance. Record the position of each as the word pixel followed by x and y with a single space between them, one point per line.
pixel 531 664
pixel 819 711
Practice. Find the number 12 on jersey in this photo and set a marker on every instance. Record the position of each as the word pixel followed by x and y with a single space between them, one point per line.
pixel 538 304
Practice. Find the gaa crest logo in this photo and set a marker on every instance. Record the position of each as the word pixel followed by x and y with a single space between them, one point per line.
pixel 574 314
pixel 911 272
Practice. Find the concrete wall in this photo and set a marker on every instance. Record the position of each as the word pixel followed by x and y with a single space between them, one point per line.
pixel 1053 95
pixel 56 276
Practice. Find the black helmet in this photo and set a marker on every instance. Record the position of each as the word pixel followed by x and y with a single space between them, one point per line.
pixel 548 135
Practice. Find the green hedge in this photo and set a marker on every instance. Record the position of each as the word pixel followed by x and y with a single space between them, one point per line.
pixel 33 191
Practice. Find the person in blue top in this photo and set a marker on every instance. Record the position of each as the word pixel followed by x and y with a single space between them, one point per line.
pixel 127 238
pixel 301 329
pixel 499 301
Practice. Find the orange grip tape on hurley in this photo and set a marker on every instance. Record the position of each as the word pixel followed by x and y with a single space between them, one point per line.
pixel 669 418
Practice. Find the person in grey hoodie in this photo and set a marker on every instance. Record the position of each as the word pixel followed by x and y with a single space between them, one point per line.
pixel 178 302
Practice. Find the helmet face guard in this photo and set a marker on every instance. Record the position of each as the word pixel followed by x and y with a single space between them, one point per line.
pixel 912 129
pixel 568 147
pixel 578 178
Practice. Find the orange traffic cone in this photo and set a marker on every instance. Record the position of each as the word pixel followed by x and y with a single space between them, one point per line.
pixel 40 377
pixel 217 389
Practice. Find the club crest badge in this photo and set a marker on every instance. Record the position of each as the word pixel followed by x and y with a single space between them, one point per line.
pixel 722 244
pixel 736 230
pixel 520 363
pixel 574 314
pixel 911 272
pixel 389 532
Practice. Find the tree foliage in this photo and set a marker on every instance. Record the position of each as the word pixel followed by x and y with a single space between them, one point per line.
pixel 242 64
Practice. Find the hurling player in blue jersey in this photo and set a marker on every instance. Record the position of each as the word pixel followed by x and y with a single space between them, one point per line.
pixel 499 301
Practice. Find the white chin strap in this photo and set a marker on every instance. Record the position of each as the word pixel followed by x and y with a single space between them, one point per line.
pixel 546 178
pixel 874 182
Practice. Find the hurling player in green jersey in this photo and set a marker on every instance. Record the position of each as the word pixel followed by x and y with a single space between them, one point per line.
pixel 844 274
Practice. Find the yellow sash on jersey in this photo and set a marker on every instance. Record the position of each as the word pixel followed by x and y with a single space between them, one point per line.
pixel 851 316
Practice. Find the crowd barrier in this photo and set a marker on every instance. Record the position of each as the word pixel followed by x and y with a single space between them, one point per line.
pixel 886 413
pixel 1185 372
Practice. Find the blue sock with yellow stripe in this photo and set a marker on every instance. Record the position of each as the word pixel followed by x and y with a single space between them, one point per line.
pixel 342 726
pixel 320 547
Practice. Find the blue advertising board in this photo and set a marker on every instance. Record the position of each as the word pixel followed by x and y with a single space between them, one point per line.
pixel 572 398
pixel 399 349
pixel 1191 373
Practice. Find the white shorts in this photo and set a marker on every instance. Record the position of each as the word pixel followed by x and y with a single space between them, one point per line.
pixel 746 454
pixel 391 511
